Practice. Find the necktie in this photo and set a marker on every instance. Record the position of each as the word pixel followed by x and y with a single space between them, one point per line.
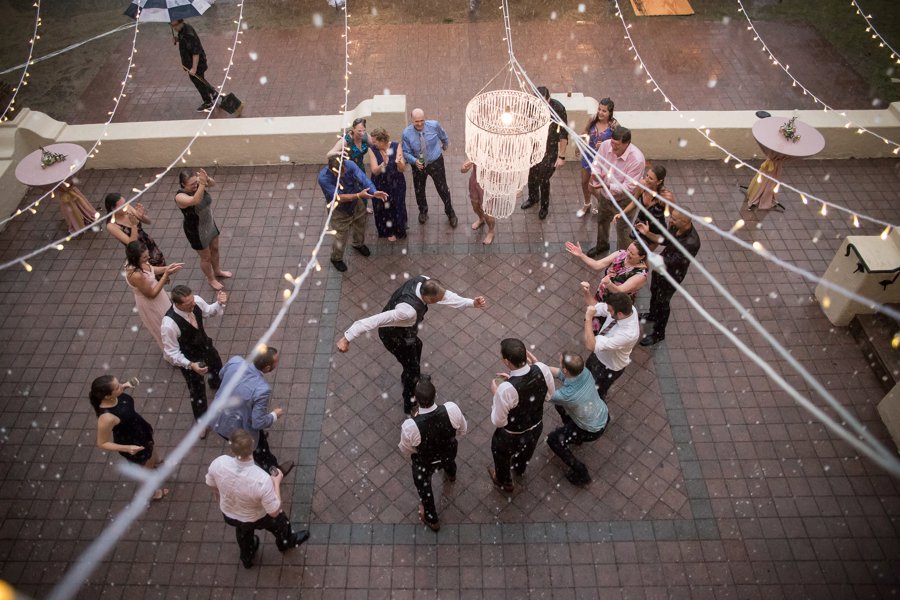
pixel 608 327
pixel 192 320
pixel 422 148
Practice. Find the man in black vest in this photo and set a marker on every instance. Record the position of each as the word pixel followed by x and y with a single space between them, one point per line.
pixel 188 347
pixel 398 326
pixel 429 438
pixel 517 411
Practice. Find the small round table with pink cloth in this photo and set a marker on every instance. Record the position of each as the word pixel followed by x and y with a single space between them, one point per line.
pixel 777 148
pixel 77 212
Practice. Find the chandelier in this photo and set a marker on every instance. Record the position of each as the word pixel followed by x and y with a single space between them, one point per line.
pixel 506 135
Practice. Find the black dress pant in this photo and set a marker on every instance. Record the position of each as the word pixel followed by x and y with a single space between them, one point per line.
pixel 661 292
pixel 539 184
pixel 513 450
pixel 604 377
pixel 279 526
pixel 207 91
pixel 408 352
pixel 436 171
pixel 197 383
pixel 262 456
pixel 570 433
pixel 422 471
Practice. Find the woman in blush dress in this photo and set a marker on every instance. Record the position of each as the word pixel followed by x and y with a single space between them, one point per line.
pixel 387 164
pixel 476 197
pixel 199 225
pixel 598 130
pixel 149 298
pixel 126 225
pixel 120 428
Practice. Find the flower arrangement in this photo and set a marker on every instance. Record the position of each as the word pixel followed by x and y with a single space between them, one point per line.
pixel 789 130
pixel 50 158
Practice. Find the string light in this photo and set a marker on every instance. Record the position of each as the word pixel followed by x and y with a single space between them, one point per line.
pixel 23 80
pixel 147 186
pixel 886 233
pixel 870 28
pixel 69 585
pixel 95 147
pixel 731 155
pixel 806 92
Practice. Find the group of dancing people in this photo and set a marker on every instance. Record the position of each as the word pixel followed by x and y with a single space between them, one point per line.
pixel 577 386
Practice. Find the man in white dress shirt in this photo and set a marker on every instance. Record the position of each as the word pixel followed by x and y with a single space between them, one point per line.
pixel 398 326
pixel 250 499
pixel 612 328
pixel 517 411
pixel 429 439
pixel 188 347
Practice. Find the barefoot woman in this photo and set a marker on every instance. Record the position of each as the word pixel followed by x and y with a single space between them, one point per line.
pixel 199 226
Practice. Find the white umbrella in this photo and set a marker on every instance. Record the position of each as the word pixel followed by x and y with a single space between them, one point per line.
pixel 166 11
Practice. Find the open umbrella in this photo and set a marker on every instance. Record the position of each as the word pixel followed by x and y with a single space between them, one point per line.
pixel 165 11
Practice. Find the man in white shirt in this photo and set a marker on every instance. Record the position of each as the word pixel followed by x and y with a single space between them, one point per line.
pixel 429 439
pixel 398 326
pixel 188 347
pixel 250 499
pixel 612 328
pixel 517 412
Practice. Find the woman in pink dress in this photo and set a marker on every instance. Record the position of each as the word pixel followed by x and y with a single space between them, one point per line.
pixel 140 275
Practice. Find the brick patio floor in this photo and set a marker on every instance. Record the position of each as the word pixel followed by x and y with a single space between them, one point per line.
pixel 710 483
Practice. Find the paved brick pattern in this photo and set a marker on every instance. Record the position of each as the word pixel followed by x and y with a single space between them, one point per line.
pixel 460 58
pixel 709 484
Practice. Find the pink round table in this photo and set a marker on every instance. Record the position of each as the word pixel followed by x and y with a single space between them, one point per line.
pixel 767 132
pixel 76 210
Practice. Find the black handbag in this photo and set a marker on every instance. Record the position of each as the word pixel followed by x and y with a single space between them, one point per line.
pixel 232 104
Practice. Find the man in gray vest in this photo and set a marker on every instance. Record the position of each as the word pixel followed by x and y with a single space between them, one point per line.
pixel 429 439
pixel 398 326
pixel 517 412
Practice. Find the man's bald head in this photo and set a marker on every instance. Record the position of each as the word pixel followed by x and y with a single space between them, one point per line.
pixel 418 118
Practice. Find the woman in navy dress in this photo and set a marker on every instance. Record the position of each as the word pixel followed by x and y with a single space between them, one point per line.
pixel 387 166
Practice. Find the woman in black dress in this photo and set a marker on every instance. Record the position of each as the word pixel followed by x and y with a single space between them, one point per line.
pixel 120 428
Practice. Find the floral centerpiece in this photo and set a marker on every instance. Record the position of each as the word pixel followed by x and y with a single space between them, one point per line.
pixel 789 130
pixel 50 158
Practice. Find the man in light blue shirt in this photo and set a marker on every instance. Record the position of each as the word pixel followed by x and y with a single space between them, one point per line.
pixel 584 414
pixel 248 406
pixel 350 214
pixel 423 146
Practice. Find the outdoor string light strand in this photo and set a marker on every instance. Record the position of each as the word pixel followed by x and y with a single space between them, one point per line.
pixel 705 132
pixel 22 80
pixel 806 91
pixel 882 43
pixel 84 566
pixel 59 243
pixel 32 208
pixel 876 451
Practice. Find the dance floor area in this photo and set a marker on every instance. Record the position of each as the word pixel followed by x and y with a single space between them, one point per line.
pixel 709 483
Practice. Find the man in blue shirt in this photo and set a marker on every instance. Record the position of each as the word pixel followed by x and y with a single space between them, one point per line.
pixel 350 214
pixel 423 146
pixel 248 406
pixel 584 414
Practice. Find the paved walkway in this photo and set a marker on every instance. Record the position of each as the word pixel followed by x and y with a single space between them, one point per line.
pixel 709 483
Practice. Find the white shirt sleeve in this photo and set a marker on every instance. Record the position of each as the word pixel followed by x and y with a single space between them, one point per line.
pixel 410 438
pixel 456 301
pixel 171 349
pixel 403 315
pixel 548 378
pixel 505 400
pixel 270 502
pixel 208 310
pixel 456 418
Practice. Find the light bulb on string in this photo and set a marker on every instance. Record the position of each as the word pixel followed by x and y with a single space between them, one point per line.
pixel 886 232
pixel 506 117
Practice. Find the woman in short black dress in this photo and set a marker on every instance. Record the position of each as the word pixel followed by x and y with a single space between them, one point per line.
pixel 199 225
pixel 120 428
